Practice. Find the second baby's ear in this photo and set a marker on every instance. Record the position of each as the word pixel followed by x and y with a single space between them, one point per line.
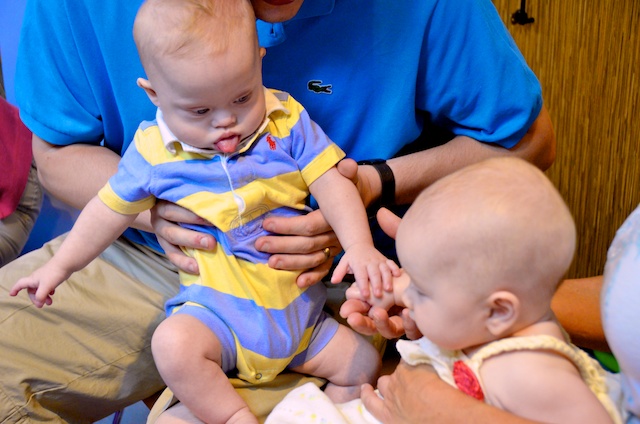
pixel 504 311
pixel 146 86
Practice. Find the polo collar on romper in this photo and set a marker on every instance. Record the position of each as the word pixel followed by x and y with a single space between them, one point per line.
pixel 170 140
pixel 272 34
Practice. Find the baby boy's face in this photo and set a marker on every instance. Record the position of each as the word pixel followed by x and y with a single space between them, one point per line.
pixel 212 102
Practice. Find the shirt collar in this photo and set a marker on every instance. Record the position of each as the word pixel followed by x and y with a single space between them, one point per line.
pixel 271 34
pixel 272 104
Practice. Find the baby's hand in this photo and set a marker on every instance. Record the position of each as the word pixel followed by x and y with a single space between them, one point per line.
pixel 371 269
pixel 386 301
pixel 40 286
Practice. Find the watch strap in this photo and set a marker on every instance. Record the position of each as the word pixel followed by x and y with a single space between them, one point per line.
pixel 388 184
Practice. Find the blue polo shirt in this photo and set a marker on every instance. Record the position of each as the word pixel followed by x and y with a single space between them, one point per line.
pixel 369 72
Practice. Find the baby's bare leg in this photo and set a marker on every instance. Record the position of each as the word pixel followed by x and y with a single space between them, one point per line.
pixel 348 361
pixel 180 414
pixel 188 356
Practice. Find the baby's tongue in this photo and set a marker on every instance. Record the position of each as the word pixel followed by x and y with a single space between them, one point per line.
pixel 228 145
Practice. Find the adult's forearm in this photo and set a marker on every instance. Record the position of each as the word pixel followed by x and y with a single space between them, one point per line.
pixel 417 171
pixel 75 173
pixel 576 304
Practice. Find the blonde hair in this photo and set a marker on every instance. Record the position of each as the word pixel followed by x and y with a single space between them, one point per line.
pixel 181 28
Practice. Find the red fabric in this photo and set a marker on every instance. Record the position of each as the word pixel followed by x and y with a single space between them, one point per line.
pixel 15 157
pixel 466 380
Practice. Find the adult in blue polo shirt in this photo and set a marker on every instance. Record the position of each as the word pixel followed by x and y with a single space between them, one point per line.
pixel 372 73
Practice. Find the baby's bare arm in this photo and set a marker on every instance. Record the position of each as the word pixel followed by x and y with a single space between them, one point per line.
pixel 541 386
pixel 341 205
pixel 96 228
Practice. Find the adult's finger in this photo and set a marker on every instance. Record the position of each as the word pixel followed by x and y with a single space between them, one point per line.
pixel 314 275
pixel 410 327
pixel 355 311
pixel 388 221
pixel 389 324
pixel 349 169
pixel 311 224
pixel 373 403
pixel 175 213
pixel 299 252
pixel 164 219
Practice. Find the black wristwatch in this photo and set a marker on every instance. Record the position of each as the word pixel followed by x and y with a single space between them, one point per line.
pixel 388 192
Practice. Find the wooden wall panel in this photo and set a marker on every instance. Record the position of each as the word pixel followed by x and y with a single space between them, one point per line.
pixel 587 56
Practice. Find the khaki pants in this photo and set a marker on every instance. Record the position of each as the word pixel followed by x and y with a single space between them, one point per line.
pixel 88 355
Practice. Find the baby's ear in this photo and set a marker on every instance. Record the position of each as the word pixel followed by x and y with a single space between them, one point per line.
pixel 146 86
pixel 504 309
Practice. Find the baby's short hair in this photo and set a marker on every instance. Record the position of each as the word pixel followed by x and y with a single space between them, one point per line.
pixel 186 27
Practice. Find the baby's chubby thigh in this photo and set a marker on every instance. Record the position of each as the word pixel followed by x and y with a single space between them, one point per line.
pixel 189 337
pixel 192 358
pixel 348 360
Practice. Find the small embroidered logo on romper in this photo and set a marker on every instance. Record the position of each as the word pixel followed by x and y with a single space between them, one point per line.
pixel 466 380
pixel 271 141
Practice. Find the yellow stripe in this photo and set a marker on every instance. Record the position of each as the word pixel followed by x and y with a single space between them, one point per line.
pixel 267 287
pixel 281 122
pixel 324 161
pixel 268 368
pixel 113 201
pixel 260 196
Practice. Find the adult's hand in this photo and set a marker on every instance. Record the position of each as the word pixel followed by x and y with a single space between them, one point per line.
pixel 164 218
pixel 405 394
pixel 301 242
pixel 415 394
pixel 369 320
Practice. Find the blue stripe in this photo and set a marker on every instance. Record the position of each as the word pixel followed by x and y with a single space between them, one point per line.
pixel 270 332
pixel 240 242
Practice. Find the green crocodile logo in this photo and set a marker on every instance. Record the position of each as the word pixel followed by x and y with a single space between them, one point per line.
pixel 317 87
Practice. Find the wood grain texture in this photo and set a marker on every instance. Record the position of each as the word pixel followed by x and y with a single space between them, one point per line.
pixel 587 57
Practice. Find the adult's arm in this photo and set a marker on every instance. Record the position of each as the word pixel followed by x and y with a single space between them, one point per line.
pixel 576 304
pixel 415 394
pixel 415 172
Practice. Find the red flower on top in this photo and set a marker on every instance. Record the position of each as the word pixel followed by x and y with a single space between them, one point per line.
pixel 466 380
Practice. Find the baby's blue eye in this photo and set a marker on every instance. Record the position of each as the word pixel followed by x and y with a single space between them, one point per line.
pixel 202 111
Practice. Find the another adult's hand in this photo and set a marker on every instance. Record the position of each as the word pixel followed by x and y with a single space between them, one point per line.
pixel 415 394
pixel 405 394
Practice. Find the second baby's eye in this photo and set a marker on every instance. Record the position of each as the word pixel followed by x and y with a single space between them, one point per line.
pixel 201 111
